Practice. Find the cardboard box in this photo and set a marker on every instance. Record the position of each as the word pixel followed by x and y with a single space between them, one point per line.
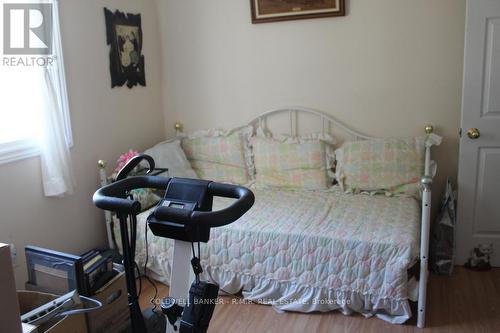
pixel 9 306
pixel 29 300
pixel 114 316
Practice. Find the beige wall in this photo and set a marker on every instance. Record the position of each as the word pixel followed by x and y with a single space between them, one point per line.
pixel 388 68
pixel 106 122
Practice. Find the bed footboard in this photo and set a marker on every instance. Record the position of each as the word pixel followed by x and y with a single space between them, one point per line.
pixel 426 182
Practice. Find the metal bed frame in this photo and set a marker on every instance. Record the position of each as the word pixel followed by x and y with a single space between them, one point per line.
pixel 329 125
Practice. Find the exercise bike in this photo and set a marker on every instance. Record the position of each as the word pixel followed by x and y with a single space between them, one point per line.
pixel 184 215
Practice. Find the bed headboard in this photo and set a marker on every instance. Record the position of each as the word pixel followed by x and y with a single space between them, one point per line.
pixel 294 115
pixel 286 120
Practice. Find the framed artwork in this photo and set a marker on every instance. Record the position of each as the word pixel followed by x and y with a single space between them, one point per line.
pixel 124 36
pixel 284 10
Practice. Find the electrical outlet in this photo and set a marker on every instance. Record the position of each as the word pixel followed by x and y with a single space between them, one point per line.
pixel 13 254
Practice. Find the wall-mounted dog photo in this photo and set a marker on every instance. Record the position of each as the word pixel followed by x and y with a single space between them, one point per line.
pixel 124 35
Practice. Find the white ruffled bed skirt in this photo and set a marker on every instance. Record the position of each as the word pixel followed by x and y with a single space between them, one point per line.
pixel 288 296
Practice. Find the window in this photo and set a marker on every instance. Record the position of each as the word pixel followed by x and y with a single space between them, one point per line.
pixel 34 112
pixel 20 115
pixel 22 76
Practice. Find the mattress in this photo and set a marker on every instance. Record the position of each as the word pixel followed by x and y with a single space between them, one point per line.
pixel 310 251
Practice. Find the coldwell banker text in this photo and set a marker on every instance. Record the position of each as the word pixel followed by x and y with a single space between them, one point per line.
pixel 27 34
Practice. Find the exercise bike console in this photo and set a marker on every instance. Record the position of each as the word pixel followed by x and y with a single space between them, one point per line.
pixel 182 197
pixel 186 214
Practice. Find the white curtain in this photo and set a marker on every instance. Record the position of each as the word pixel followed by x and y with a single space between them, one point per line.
pixel 57 169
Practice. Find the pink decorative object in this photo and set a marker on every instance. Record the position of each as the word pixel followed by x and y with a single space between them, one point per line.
pixel 124 158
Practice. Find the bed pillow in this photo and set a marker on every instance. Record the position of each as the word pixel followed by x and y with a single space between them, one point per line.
pixel 169 154
pixel 380 164
pixel 286 162
pixel 219 155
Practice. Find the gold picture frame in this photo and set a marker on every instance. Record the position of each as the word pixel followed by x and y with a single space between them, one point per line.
pixel 283 10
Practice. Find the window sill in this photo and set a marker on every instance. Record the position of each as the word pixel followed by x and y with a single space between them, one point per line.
pixel 18 150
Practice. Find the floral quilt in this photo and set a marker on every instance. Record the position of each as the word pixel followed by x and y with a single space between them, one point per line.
pixel 307 245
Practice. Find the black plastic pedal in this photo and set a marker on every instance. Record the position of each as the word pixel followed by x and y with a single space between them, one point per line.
pixel 171 309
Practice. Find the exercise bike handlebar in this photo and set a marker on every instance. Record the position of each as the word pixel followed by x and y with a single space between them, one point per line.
pixel 245 200
pixel 113 198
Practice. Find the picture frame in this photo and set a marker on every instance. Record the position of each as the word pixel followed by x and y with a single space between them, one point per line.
pixel 124 36
pixel 283 10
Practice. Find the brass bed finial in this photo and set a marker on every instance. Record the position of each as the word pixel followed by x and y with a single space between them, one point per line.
pixel 429 128
pixel 101 164
pixel 178 127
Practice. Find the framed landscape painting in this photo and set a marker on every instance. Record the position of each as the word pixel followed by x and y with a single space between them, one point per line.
pixel 283 10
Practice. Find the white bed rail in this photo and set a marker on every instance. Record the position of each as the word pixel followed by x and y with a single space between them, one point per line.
pixel 431 140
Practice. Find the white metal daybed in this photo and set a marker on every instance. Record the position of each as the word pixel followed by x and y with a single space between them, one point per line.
pixel 318 250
